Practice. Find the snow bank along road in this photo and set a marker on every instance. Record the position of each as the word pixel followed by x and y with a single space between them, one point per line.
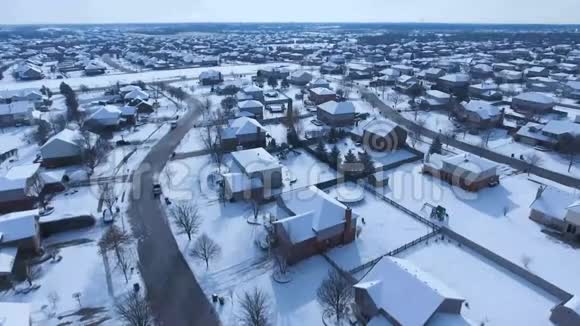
pixel 174 293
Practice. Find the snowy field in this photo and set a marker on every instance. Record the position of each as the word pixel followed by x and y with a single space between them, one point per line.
pixel 496 218
pixel 385 229
pixel 494 296
pixel 146 76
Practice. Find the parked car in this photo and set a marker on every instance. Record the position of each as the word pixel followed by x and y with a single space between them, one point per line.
pixel 157 190
pixel 317 122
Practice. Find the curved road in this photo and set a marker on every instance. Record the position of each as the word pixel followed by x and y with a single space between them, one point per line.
pixel 174 293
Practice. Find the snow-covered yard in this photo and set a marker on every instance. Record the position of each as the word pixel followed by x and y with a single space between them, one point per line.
pixel 384 229
pixel 494 296
pixel 496 218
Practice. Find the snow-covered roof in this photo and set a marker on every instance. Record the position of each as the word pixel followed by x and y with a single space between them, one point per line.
pixel 239 182
pixel 255 160
pixel 474 164
pixel 18 225
pixel 456 78
pixel 408 294
pixel 22 107
pixel 535 97
pixel 251 104
pixel 379 320
pixel 333 107
pixel 137 94
pixel 7 259
pixel 436 94
pixel 560 127
pixel 322 91
pixel 482 108
pixel 129 88
pixel 210 74
pixel 14 314
pixel 299 227
pixel 326 211
pixel 252 89
pixel 554 202
pixel 24 171
pixel 246 126
pixel 106 115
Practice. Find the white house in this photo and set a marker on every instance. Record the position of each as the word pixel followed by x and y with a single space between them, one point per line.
pixel 557 209
pixel 64 148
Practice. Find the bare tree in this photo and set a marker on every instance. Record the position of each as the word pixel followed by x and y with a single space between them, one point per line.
pixel 533 159
pixel 114 239
pixel 93 148
pixel 205 249
pixel 395 98
pixel 186 217
pixel 108 196
pixel 255 308
pixel 206 105
pixel 124 261
pixel 413 139
pixel 134 310
pixel 335 294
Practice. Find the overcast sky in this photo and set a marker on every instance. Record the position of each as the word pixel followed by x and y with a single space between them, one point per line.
pixel 451 11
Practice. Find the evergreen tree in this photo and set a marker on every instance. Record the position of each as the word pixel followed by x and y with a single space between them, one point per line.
pixel 350 157
pixel 285 84
pixel 334 156
pixel 272 82
pixel 367 162
pixel 436 146
pixel 321 151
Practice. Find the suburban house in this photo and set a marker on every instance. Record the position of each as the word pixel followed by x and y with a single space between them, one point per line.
pixel 407 84
pixel 537 72
pixel 245 132
pixel 210 77
pixel 94 68
pixel 336 114
pixel 454 83
pixel 533 102
pixel 20 188
pixel 510 76
pixel 230 87
pixel 21 230
pixel 26 95
pixel 548 135
pixel 274 72
pixel 136 94
pixel 253 92
pixel 481 71
pixel 319 83
pixel 485 91
pixel 557 209
pixel 29 72
pixel 468 172
pixel 331 68
pixel 300 78
pixel 572 89
pixel 432 74
pixel 321 95
pixel 567 313
pixel 315 222
pixel 253 175
pixel 252 106
pixel 358 71
pixel 480 114
pixel 16 113
pixel 436 100
pixel 104 118
pixel 381 135
pixel 397 292
pixel 64 148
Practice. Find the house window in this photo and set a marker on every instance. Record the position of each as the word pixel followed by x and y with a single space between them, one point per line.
pixel 571 229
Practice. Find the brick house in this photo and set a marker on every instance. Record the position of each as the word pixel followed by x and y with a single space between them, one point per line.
pixel 468 172
pixel 321 95
pixel 336 114
pixel 315 222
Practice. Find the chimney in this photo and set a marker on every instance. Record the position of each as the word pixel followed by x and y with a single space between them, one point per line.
pixel 349 231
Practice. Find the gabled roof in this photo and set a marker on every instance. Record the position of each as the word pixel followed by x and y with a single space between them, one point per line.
pixel 255 160
pixel 482 108
pixel 408 294
pixel 325 210
pixel 250 104
pixel 136 94
pixel 535 97
pixel 21 107
pixel 246 126
pixel 334 107
pixel 322 91
pixel 554 202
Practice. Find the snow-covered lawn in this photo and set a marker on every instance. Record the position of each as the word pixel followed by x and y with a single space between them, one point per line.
pixel 384 229
pixel 494 296
pixel 146 76
pixel 480 217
